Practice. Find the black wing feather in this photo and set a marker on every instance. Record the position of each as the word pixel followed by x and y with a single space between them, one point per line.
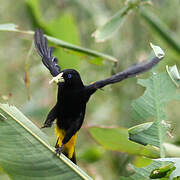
pixel 41 44
pixel 130 72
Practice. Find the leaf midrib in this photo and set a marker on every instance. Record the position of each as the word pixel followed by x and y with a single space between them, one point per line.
pixel 158 117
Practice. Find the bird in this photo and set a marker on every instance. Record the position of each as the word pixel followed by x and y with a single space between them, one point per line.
pixel 73 95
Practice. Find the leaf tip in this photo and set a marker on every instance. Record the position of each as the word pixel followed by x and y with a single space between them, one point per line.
pixel 157 51
pixel 96 36
pixel 173 74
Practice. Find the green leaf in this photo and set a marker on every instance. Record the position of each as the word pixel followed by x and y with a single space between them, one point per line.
pixel 35 14
pixel 81 49
pixel 114 23
pixel 159 91
pixel 141 161
pixel 157 51
pixel 173 74
pixel 111 26
pixel 63 44
pixel 58 28
pixel 163 170
pixel 116 139
pixel 139 128
pixel 4 177
pixel 97 61
pixel 176 161
pixel 91 154
pixel 26 154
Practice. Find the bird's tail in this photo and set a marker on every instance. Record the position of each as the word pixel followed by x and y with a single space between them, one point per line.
pixel 73 159
pixel 69 147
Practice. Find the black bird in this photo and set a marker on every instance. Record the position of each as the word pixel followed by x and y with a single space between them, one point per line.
pixel 73 95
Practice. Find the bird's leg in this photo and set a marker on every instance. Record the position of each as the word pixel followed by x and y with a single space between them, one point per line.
pixel 56 146
pixel 59 149
pixel 72 131
pixel 47 124
pixel 75 126
pixel 51 117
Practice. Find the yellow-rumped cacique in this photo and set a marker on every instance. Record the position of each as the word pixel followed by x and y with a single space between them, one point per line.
pixel 73 95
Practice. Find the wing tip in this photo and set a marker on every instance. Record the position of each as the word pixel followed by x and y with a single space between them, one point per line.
pixel 40 42
pixel 37 42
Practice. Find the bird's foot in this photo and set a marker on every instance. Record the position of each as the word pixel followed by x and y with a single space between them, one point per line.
pixel 46 125
pixel 59 149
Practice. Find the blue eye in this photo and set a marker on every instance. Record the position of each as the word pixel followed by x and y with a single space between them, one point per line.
pixel 69 76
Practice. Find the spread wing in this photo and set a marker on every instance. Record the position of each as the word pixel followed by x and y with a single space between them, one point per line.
pixel 130 72
pixel 41 44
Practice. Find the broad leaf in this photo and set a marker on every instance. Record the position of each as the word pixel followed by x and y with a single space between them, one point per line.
pixel 163 168
pixel 111 26
pixel 33 8
pixel 25 152
pixel 116 139
pixel 115 22
pixel 58 28
pixel 156 170
pixel 176 161
pixel 159 91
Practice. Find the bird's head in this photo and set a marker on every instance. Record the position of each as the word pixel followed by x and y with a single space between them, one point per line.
pixel 68 78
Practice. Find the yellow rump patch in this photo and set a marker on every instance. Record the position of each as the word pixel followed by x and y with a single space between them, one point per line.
pixel 70 145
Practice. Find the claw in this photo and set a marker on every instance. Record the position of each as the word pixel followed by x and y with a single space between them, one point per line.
pixel 59 149
pixel 46 125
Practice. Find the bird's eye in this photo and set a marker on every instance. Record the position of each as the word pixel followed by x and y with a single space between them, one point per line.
pixel 69 76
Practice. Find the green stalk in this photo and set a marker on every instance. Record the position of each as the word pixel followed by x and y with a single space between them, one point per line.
pixel 164 32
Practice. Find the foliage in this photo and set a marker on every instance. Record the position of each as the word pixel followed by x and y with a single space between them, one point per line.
pixel 25 152
pixel 170 37
pixel 116 139
pixel 160 90
pixel 154 171
pixel 115 22
pixel 63 23
pixel 125 28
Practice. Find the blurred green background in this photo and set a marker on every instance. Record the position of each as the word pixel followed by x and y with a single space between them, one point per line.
pixel 74 21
